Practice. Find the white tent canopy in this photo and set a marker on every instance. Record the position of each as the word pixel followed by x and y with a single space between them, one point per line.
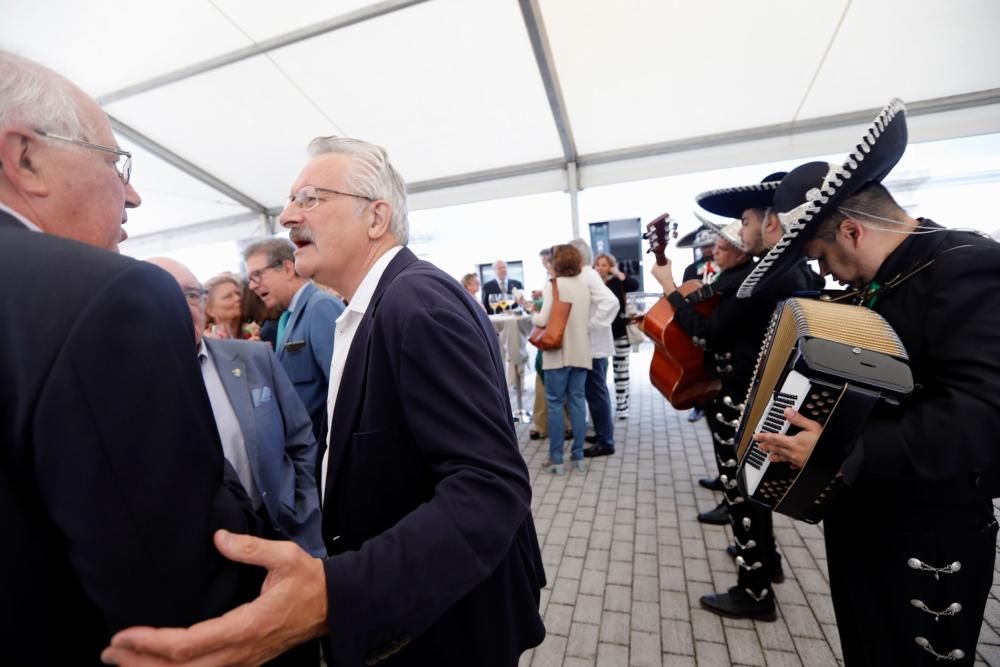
pixel 485 99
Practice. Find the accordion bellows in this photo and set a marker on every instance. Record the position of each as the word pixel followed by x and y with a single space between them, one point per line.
pixel 831 362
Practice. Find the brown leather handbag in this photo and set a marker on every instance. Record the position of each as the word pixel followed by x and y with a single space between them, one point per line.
pixel 550 337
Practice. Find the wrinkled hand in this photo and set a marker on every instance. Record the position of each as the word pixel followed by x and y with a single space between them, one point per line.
pixel 291 609
pixel 665 276
pixel 794 449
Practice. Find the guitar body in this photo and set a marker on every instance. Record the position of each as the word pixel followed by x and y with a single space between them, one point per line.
pixel 678 366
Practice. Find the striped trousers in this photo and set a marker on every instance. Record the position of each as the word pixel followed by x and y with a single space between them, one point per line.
pixel 620 367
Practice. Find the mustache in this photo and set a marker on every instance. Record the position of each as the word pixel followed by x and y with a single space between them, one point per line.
pixel 299 235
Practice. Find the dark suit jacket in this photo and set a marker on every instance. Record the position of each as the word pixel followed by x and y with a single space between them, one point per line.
pixel 307 349
pixel 278 436
pixel 111 470
pixel 427 510
pixel 493 287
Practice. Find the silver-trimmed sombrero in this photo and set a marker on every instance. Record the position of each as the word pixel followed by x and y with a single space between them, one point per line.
pixel 810 192
pixel 699 238
pixel 731 233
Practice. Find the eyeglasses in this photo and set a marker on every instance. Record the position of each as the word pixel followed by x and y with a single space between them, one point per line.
pixel 124 173
pixel 308 198
pixel 195 295
pixel 256 276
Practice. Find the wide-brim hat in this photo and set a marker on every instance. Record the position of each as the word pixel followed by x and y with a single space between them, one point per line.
pixel 731 233
pixel 698 238
pixel 812 191
pixel 731 202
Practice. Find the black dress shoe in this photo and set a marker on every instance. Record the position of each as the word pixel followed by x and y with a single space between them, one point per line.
pixel 535 435
pixel 711 483
pixel 735 603
pixel 777 573
pixel 717 517
pixel 592 439
pixel 598 450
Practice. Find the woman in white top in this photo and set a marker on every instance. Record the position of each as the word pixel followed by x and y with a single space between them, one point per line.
pixel 566 368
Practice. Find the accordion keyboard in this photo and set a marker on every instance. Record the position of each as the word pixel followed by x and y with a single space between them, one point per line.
pixel 791 395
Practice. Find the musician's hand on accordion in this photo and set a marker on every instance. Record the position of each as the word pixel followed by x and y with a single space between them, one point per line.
pixel 793 449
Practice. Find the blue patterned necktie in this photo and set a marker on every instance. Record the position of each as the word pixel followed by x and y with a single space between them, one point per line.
pixel 282 322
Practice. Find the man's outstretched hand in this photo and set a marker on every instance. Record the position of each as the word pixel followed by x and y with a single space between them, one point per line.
pixel 291 609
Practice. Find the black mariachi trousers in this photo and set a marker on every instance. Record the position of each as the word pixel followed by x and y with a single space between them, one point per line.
pixel 753 532
pixel 909 574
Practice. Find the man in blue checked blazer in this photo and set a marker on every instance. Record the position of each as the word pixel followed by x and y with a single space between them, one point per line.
pixel 265 430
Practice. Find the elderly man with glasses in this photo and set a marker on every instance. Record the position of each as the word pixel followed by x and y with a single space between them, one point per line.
pixel 426 498
pixel 112 477
pixel 304 342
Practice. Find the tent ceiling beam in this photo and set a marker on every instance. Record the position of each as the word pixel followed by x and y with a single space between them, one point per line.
pixel 854 118
pixel 550 79
pixel 315 30
pixel 185 166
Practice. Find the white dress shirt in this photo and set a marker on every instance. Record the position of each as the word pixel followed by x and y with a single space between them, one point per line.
pixel 234 447
pixel 347 326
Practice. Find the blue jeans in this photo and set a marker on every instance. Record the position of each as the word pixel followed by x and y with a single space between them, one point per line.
pixel 565 386
pixel 599 400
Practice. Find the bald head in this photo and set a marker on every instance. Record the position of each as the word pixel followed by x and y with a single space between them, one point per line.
pixel 192 288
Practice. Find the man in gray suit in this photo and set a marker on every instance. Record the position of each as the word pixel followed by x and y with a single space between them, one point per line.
pixel 305 329
pixel 265 430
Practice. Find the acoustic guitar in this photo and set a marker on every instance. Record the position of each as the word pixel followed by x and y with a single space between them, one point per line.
pixel 678 368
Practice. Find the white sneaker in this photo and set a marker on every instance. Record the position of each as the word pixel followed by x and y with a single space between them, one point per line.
pixel 622 414
pixel 579 466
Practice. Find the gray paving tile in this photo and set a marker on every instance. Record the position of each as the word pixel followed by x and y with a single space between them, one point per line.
pixel 627 561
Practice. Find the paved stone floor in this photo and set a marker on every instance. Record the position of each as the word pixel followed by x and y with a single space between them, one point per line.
pixel 626 560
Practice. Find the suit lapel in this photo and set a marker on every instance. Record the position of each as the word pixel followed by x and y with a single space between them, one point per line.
pixel 353 382
pixel 233 373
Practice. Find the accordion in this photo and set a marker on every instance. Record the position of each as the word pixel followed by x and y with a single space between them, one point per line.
pixel 832 363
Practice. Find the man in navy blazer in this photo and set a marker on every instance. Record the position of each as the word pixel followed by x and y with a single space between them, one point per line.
pixel 499 285
pixel 112 479
pixel 305 330
pixel 258 413
pixel 427 504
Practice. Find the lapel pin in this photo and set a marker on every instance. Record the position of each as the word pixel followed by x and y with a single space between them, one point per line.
pixel 236 372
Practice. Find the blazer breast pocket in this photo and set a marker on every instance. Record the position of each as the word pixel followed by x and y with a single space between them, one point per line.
pixel 297 362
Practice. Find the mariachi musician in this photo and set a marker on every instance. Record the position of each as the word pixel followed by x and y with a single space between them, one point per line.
pixel 733 335
pixel 705 269
pixel 911 539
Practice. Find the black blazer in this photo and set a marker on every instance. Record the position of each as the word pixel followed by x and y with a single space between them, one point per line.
pixel 427 513
pixel 111 471
pixel 493 287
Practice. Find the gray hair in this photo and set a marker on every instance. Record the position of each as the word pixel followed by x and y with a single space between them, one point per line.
pixel 277 251
pixel 34 95
pixel 371 175
pixel 584 251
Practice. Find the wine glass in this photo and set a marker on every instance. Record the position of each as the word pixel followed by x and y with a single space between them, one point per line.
pixel 494 301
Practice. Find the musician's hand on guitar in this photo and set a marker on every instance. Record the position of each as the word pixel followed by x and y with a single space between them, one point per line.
pixel 664 275
pixel 793 449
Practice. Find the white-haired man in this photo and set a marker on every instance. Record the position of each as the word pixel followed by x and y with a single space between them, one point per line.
pixel 111 471
pixel 434 558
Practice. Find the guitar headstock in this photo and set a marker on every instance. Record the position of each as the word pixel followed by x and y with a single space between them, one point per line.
pixel 658 233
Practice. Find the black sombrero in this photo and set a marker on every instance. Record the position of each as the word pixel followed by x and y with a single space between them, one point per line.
pixel 731 202
pixel 810 192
